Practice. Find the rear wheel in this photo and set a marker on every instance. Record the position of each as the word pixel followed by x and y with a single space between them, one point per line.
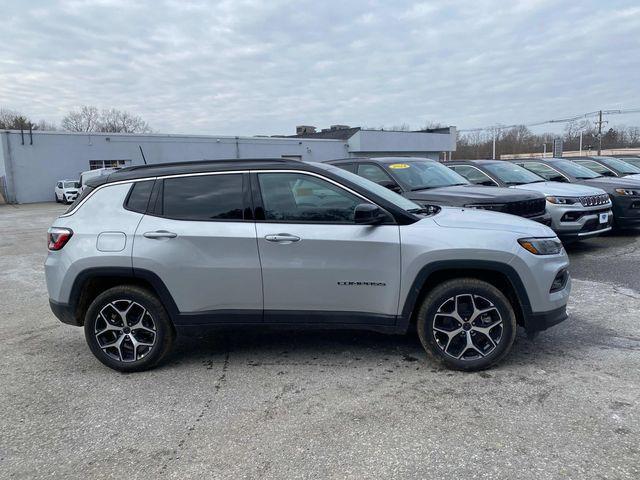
pixel 128 329
pixel 55 195
pixel 466 323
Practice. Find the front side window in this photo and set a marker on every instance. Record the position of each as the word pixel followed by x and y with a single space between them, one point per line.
pixel 296 197
pixel 204 197
pixel 512 174
pixel 596 167
pixel 373 172
pixel 544 171
pixel 474 175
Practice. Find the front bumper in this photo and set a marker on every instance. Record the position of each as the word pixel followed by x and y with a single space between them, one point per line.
pixel 544 219
pixel 576 222
pixel 539 321
pixel 626 211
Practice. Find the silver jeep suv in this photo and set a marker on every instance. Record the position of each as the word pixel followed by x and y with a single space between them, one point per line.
pixel 150 252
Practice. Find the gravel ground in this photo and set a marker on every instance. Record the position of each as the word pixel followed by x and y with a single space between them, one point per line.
pixel 260 404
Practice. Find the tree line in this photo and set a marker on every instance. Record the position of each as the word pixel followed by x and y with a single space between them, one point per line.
pixel 85 119
pixel 520 139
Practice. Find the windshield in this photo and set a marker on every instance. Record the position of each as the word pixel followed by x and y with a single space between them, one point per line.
pixel 635 161
pixel 384 192
pixel 512 174
pixel 71 185
pixel 622 167
pixel 417 175
pixel 575 170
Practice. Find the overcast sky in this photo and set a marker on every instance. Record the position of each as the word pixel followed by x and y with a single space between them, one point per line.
pixel 263 67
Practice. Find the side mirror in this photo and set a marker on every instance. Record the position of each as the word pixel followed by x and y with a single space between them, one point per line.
pixel 369 214
pixel 393 186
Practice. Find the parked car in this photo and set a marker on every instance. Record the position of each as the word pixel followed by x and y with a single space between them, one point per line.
pixel 95 173
pixel 185 246
pixel 608 166
pixel 66 191
pixel 577 211
pixel 624 193
pixel 428 182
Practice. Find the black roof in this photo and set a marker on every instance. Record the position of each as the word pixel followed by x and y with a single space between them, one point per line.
pixel 478 162
pixel 199 166
pixel 378 159
pixel 337 134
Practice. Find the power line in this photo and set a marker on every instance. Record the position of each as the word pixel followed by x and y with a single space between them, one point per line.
pixel 557 120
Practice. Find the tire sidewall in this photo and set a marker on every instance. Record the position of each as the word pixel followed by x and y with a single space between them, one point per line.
pixel 164 327
pixel 464 286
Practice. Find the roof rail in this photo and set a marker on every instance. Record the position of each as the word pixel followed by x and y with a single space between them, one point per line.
pixel 205 162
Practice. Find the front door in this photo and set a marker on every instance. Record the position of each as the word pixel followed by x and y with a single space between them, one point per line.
pixel 318 266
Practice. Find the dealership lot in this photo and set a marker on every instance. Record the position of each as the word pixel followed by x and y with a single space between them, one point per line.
pixel 269 404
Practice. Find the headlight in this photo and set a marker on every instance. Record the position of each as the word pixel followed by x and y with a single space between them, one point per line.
pixel 562 200
pixel 496 207
pixel 628 191
pixel 541 246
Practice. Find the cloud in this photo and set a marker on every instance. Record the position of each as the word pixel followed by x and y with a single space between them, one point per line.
pixel 254 67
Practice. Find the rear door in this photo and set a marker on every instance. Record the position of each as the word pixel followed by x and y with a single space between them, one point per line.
pixel 199 238
pixel 317 264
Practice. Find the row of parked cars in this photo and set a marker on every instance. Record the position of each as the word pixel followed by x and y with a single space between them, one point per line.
pixel 578 198
pixel 147 253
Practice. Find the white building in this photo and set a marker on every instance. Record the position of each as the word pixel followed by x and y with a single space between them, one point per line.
pixel 31 163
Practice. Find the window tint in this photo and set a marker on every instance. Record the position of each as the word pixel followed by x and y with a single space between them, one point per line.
pixel 596 167
pixel 544 171
pixel 474 175
pixel 303 198
pixel 139 196
pixel 205 197
pixel 373 172
pixel 59 185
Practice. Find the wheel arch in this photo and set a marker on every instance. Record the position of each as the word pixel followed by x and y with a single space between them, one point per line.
pixel 93 281
pixel 502 276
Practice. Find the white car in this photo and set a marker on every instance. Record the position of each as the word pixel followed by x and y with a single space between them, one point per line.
pixel 66 191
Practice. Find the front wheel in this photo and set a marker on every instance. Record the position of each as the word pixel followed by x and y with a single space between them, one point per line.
pixel 466 323
pixel 128 329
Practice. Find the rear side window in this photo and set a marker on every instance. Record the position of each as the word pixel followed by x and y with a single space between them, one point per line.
pixel 139 196
pixel 373 173
pixel 205 197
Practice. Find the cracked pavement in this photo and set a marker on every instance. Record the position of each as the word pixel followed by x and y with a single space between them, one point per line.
pixel 306 404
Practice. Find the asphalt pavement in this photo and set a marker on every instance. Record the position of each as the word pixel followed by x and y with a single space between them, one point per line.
pixel 270 404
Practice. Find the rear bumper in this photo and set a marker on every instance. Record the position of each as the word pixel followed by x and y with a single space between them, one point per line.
pixel 542 320
pixel 64 312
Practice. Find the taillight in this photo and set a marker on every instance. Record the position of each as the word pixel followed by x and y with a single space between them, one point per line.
pixel 58 237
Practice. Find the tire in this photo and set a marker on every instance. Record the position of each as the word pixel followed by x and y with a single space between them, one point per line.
pixel 459 344
pixel 140 343
pixel 56 197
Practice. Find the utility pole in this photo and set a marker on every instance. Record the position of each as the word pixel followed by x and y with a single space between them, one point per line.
pixel 600 123
pixel 580 142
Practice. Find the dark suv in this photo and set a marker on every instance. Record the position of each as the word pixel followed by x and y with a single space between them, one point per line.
pixel 428 182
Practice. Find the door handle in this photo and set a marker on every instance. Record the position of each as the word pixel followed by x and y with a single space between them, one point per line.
pixel 159 234
pixel 282 238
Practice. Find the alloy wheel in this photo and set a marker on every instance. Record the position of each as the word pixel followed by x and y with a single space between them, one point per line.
pixel 125 330
pixel 467 327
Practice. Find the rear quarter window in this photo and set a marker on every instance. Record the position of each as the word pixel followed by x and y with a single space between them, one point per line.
pixel 138 198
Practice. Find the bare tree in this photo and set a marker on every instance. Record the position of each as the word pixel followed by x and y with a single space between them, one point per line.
pixel 89 119
pixel 118 121
pixel 86 119
pixel 12 120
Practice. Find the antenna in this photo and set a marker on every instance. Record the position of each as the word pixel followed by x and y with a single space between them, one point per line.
pixel 142 153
